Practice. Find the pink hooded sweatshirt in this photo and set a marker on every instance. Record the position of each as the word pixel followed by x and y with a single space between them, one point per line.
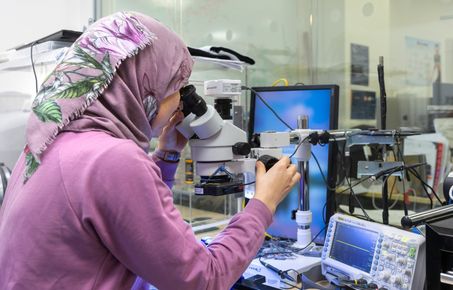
pixel 86 207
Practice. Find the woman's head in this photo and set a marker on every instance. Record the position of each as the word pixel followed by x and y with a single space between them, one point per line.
pixel 138 98
pixel 122 76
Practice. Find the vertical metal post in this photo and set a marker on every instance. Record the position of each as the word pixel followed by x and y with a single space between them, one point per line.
pixel 304 197
pixel 97 10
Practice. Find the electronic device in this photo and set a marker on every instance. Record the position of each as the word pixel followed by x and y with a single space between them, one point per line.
pixel 61 35
pixel 320 104
pixel 439 243
pixel 388 257
pixel 439 254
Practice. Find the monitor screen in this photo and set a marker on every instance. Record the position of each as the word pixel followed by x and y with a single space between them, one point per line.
pixel 320 104
pixel 354 246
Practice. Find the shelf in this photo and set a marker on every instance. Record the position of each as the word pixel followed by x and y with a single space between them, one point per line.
pixel 44 53
pixel 228 64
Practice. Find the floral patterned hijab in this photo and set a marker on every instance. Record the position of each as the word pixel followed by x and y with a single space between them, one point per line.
pixel 112 79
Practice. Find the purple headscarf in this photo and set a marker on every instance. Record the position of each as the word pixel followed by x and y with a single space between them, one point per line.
pixel 111 79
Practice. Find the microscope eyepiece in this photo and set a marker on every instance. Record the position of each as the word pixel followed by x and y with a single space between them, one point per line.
pixel 192 102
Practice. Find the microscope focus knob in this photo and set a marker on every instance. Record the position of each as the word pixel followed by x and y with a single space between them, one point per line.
pixel 242 148
pixel 268 161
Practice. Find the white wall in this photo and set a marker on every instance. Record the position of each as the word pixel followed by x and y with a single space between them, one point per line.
pixel 23 21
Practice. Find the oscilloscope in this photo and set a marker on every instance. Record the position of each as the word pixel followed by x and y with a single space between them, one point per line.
pixel 383 255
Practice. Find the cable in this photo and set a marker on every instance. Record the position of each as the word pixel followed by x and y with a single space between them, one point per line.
pixel 406 211
pixel 426 191
pixel 358 201
pixel 249 183
pixel 373 198
pixel 391 190
pixel 385 205
pixel 333 195
pixel 285 82
pixel 322 173
pixel 388 173
pixel 357 183
pixel 33 65
pixel 281 273
pixel 397 196
pixel 426 184
pixel 352 194
pixel 267 105
pixel 415 173
pixel 298 145
pixel 401 157
pixel 341 155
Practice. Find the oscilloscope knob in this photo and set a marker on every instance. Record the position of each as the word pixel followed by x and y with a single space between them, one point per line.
pixel 398 281
pixel 385 275
pixel 402 261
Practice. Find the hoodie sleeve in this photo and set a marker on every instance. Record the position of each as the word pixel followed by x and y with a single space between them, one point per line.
pixel 133 214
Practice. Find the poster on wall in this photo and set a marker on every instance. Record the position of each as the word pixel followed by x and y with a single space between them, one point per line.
pixel 422 62
pixel 360 63
pixel 363 105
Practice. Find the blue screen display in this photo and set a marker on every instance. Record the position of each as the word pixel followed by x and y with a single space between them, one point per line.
pixel 316 103
pixel 354 246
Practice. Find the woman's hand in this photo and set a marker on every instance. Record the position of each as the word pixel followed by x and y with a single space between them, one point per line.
pixel 171 139
pixel 273 186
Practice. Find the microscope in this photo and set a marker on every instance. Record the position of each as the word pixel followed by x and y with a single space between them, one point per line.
pixel 219 149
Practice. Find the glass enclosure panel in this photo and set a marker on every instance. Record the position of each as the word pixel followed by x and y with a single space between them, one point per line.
pixel 340 42
pixel 415 39
pixel 267 31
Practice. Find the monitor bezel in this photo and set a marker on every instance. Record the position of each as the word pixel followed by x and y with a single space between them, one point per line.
pixel 334 108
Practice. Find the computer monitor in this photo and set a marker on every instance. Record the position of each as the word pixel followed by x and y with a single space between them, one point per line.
pixel 320 104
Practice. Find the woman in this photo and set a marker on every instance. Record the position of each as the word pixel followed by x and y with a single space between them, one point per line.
pixel 86 208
